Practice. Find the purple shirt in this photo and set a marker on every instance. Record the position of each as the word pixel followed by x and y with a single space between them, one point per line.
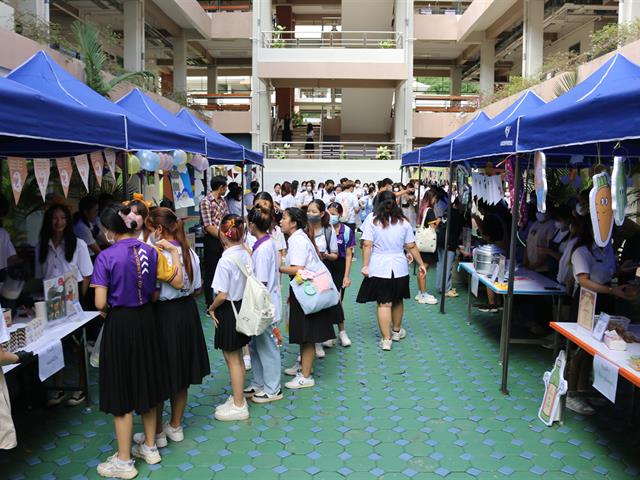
pixel 342 245
pixel 129 269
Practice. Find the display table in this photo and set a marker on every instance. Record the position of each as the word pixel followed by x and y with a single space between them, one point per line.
pixel 58 330
pixel 582 338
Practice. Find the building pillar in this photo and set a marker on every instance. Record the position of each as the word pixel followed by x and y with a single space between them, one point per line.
pixel 133 35
pixel 260 92
pixel 212 78
pixel 7 17
pixel 456 81
pixel 37 9
pixel 180 64
pixel 532 38
pixel 285 98
pixel 403 105
pixel 487 66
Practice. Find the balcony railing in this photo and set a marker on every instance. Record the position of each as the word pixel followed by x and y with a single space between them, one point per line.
pixel 216 6
pixel 332 151
pixel 231 102
pixel 446 103
pixel 351 39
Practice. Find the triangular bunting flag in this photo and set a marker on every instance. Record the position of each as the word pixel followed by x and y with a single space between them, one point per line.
pixel 18 175
pixel 65 170
pixel 110 155
pixel 97 162
pixel 82 164
pixel 42 170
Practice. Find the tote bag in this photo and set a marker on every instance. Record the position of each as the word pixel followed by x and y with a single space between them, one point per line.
pixel 426 237
pixel 314 288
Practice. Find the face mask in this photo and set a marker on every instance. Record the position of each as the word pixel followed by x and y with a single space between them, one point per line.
pixel 309 189
pixel 396 190
pixel 357 185
pixel 559 225
pixel 541 217
pixel 580 210
pixel 111 240
pixel 334 219
pixel 314 218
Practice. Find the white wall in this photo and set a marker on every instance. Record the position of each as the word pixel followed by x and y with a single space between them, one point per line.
pixel 366 110
pixel 367 15
pixel 6 17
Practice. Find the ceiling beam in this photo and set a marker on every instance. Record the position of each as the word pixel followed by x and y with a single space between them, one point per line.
pixel 197 46
pixel 66 8
pixel 163 20
pixel 506 21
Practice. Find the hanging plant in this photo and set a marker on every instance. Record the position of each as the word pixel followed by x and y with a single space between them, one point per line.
pixel 383 153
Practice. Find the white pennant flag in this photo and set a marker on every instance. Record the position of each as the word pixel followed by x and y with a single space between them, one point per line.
pixel 42 170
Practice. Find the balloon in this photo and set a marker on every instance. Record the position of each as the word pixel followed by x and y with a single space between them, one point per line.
pixel 179 156
pixel 149 161
pixel 133 164
pixel 197 162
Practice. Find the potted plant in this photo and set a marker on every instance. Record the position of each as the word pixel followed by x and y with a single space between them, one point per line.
pixel 383 153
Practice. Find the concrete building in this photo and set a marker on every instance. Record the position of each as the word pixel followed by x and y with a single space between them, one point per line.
pixel 349 67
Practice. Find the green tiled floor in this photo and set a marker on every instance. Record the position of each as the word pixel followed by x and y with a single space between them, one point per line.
pixel 430 408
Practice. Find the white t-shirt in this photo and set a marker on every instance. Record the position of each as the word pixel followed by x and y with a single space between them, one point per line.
pixel 228 277
pixel 300 250
pixel 540 234
pixel 599 263
pixel 564 264
pixel 288 201
pixel 265 268
pixel 349 203
pixel 276 235
pixel 387 255
pixel 167 292
pixel 321 240
pixel 83 231
pixel 277 198
pixel 306 198
pixel 56 264
pixel 6 248
pixel 235 206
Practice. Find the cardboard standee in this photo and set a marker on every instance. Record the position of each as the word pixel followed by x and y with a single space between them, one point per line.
pixel 554 387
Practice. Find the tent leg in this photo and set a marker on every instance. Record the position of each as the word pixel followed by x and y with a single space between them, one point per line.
pixel 402 175
pixel 125 177
pixel 505 332
pixel 443 285
pixel 242 188
pixel 262 178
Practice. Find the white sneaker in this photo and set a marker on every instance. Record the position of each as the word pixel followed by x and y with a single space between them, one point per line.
pixel 319 351
pixel 579 405
pixel 230 412
pixel 250 391
pixel 264 397
pixel 329 343
pixel 428 299
pixel 226 402
pixel 247 362
pixel 344 339
pixel 114 468
pixel 300 382
pixel 151 455
pixel 173 434
pixel 399 335
pixel 293 370
pixel 386 344
pixel 418 296
pixel 161 439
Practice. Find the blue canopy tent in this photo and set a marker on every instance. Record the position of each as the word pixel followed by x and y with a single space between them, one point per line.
pixel 35 125
pixel 43 74
pixel 220 149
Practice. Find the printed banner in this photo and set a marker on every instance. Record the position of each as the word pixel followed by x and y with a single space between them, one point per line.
pixel 110 155
pixel 42 170
pixel 18 174
pixel 65 170
pixel 97 162
pixel 82 164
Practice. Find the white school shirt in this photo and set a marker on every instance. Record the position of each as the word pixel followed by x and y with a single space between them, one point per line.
pixel 599 263
pixel 321 241
pixel 306 198
pixel 56 264
pixel 564 264
pixel 228 277
pixel 265 268
pixel 276 235
pixel 288 201
pixel 349 203
pixel 387 255
pixel 6 248
pixel 540 234
pixel 277 198
pixel 167 292
pixel 300 250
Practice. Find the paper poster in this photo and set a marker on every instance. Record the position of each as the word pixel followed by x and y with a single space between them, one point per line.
pixel 97 162
pixel 601 326
pixel 42 170
pixel 110 156
pixel 18 175
pixel 601 208
pixel 50 359
pixel 181 196
pixel 554 387
pixel 619 190
pixel 54 296
pixel 4 333
pixel 65 170
pixel 474 284
pixel 586 308
pixel 605 377
pixel 82 164
pixel 72 294
pixel 540 180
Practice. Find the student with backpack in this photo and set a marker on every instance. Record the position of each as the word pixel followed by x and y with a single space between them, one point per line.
pixel 326 242
pixel 228 285
pixel 265 355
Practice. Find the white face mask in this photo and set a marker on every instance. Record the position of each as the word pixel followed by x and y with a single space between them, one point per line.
pixel 580 210
pixel 111 240
pixel 309 189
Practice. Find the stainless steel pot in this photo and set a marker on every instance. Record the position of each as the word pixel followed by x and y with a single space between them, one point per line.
pixel 485 259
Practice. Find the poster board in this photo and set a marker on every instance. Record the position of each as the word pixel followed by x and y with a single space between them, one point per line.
pixel 54 296
pixel 587 308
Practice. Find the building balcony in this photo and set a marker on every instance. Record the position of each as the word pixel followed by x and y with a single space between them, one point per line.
pixel 341 151
pixel 446 103
pixel 312 40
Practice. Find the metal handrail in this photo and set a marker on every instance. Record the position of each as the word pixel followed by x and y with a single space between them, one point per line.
pixel 333 151
pixel 446 103
pixel 344 39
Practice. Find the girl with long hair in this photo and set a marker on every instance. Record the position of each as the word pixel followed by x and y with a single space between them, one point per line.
pixel 385 267
pixel 182 342
pixel 427 219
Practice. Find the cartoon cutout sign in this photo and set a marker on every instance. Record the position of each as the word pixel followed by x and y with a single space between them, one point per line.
pixel 619 193
pixel 601 206
pixel 540 180
pixel 554 387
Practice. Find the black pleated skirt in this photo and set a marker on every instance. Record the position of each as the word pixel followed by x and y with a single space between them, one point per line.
pixel 384 290
pixel 314 328
pixel 337 270
pixel 182 344
pixel 131 376
pixel 227 338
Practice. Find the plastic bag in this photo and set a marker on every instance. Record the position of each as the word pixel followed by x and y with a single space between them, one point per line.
pixel 94 359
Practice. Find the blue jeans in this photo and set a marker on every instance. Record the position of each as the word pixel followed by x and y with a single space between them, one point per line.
pixel 451 256
pixel 265 362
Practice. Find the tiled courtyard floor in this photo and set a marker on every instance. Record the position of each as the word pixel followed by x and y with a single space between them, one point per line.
pixel 428 409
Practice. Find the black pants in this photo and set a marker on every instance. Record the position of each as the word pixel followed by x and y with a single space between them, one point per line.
pixel 212 253
pixel 352 226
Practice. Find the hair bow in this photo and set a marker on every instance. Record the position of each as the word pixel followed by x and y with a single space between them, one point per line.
pixel 138 197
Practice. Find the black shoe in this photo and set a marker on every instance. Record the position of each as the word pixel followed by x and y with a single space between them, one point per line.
pixel 488 308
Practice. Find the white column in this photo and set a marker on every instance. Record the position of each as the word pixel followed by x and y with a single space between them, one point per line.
pixel 180 64
pixel 7 18
pixel 532 37
pixel 487 65
pixel 212 78
pixel 37 9
pixel 456 81
pixel 628 10
pixel 403 105
pixel 133 35
pixel 260 96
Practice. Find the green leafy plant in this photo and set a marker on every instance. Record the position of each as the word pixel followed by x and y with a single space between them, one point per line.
pixel 297 120
pixel 387 44
pixel 281 153
pixel 94 58
pixel 277 40
pixel 46 33
pixel 566 82
pixel 612 36
pixel 383 153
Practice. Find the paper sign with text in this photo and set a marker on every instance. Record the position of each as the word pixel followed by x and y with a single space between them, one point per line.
pixel 605 377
